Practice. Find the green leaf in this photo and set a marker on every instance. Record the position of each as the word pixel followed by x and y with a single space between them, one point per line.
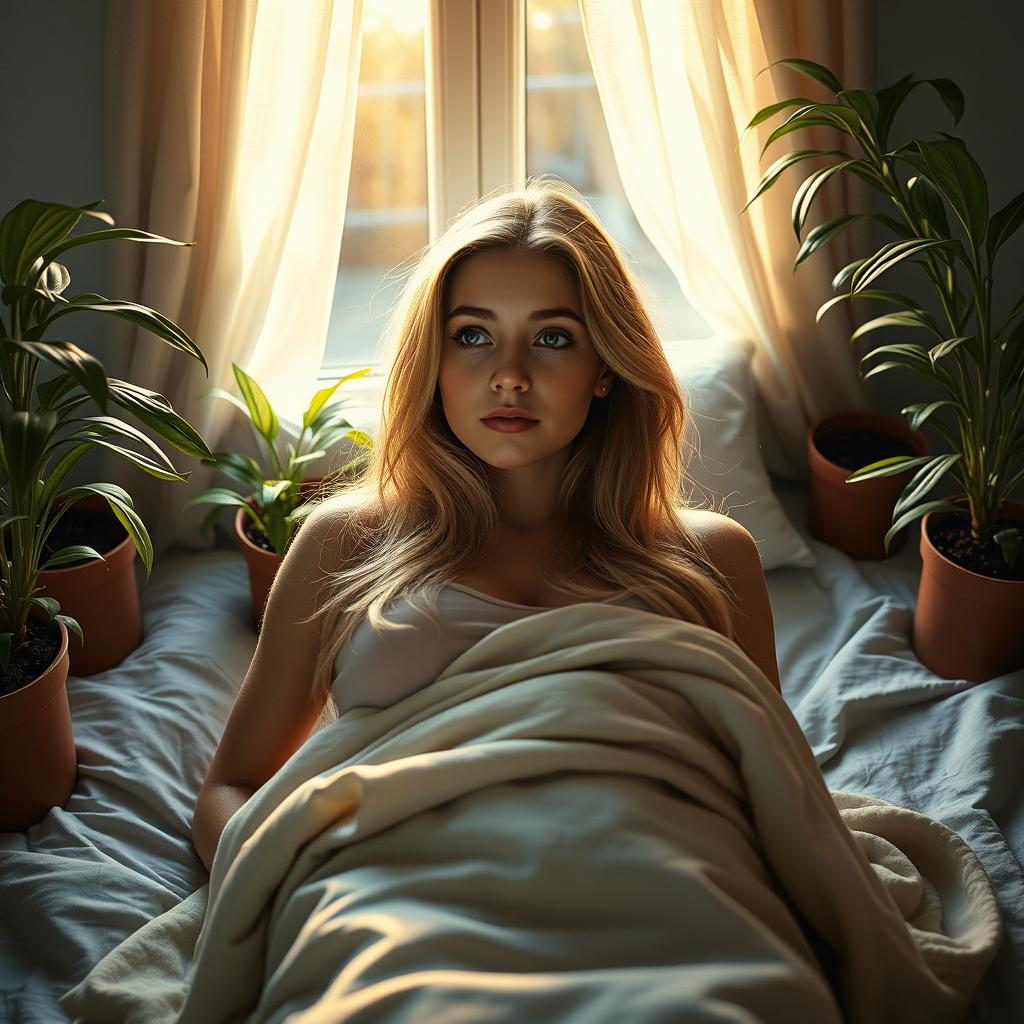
pixel 950 94
pixel 258 407
pixel 361 438
pixel 72 553
pixel 950 345
pixel 924 480
pixel 143 462
pixel 109 425
pixel 823 233
pixel 920 411
pixel 71 624
pixel 155 411
pixel 890 255
pixel 867 173
pixel 906 318
pixel 321 398
pixel 50 605
pixel 308 457
pixel 868 293
pixel 1004 223
pixel 765 112
pixel 847 272
pixel 25 436
pixel 917 513
pixel 50 392
pixel 227 397
pixel 891 97
pixel 243 468
pixel 271 490
pixel 120 503
pixel 954 172
pixel 892 466
pixel 786 161
pixel 830 115
pixel 142 316
pixel 31 228
pixel 818 72
pixel 926 202
pixel 87 371
pixel 127 234
pixel 889 100
pixel 866 105
pixel 808 190
pixel 217 496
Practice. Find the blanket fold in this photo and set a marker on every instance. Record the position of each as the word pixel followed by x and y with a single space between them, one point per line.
pixel 594 813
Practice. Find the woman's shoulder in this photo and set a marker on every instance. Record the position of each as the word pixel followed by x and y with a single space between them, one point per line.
pixel 711 526
pixel 333 521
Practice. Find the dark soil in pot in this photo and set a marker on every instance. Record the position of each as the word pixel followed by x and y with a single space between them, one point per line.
pixel 96 528
pixel 34 656
pixel 854 448
pixel 951 537
pixel 257 538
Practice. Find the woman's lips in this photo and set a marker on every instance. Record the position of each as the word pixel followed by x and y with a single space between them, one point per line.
pixel 509 424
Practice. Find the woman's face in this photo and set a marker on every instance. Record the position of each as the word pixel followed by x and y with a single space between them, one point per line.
pixel 514 336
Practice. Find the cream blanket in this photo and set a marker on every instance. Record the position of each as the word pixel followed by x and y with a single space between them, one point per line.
pixel 594 814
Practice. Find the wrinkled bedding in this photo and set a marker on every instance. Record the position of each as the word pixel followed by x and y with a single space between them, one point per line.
pixel 595 813
pixel 119 853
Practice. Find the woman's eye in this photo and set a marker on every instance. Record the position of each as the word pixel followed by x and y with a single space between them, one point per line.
pixel 459 337
pixel 557 334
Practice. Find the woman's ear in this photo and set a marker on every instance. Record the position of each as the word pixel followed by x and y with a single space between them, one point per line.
pixel 604 382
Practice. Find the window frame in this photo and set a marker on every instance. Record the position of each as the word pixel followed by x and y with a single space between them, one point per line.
pixel 475 84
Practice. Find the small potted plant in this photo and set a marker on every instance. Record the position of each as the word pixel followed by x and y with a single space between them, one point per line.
pixel 43 434
pixel 857 522
pixel 271 510
pixel 967 623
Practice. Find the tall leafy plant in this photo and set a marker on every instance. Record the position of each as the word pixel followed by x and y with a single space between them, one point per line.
pixel 940 218
pixel 43 432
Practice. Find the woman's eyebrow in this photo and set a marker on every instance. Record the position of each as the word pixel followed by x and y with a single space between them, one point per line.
pixel 540 314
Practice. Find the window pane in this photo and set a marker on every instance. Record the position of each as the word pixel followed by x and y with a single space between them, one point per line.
pixel 386 213
pixel 566 135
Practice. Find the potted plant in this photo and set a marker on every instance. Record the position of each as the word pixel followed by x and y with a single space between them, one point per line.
pixel 271 510
pixel 857 522
pixel 967 623
pixel 43 434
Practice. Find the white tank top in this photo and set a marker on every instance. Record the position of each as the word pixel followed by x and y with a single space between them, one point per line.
pixel 378 670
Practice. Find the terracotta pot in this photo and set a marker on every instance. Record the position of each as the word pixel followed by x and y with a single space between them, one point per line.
pixel 103 598
pixel 855 517
pixel 38 760
pixel 263 564
pixel 967 626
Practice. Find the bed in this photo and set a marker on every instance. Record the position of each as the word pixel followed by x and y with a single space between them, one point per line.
pixel 120 854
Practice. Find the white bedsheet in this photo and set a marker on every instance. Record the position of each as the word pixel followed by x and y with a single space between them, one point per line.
pixel 120 854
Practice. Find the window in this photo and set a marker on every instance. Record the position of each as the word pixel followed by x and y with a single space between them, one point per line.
pixel 456 98
pixel 386 213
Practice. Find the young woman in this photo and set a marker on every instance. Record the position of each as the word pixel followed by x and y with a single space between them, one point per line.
pixel 531 454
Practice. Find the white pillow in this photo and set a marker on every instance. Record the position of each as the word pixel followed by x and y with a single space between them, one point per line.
pixel 726 471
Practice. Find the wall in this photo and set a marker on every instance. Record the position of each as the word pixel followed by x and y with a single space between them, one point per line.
pixel 978 47
pixel 51 78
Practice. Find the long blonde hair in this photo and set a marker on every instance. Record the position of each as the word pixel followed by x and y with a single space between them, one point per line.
pixel 422 512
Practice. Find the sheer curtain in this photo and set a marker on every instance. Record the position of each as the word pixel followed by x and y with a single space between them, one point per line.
pixel 230 124
pixel 678 83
